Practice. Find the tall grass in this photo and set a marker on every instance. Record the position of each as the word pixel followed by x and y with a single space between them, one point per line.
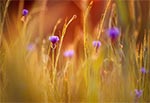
pixel 109 74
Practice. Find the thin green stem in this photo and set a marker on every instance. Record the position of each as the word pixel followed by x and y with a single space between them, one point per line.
pixel 67 84
pixel 55 27
pixel 3 20
pixel 66 67
pixel 62 37
pixel 85 28
pixel 53 67
pixel 102 22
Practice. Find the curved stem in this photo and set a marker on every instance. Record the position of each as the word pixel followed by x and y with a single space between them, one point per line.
pixel 62 37
pixel 102 22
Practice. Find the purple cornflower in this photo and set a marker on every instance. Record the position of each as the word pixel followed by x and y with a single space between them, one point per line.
pixel 25 12
pixel 69 53
pixel 96 44
pixel 113 33
pixel 138 93
pixel 143 70
pixel 54 39
pixel 31 47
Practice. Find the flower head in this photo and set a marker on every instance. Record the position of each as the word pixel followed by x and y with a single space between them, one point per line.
pixel 69 53
pixel 113 33
pixel 54 39
pixel 31 47
pixel 96 44
pixel 25 12
pixel 143 70
pixel 138 93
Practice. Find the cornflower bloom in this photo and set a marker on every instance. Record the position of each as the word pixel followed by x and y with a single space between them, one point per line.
pixel 143 70
pixel 113 33
pixel 138 93
pixel 69 53
pixel 96 44
pixel 25 12
pixel 53 40
pixel 31 47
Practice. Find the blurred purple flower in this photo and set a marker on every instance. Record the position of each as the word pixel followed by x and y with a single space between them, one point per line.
pixel 138 93
pixel 143 70
pixel 69 53
pixel 31 47
pixel 54 39
pixel 25 12
pixel 96 44
pixel 113 33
